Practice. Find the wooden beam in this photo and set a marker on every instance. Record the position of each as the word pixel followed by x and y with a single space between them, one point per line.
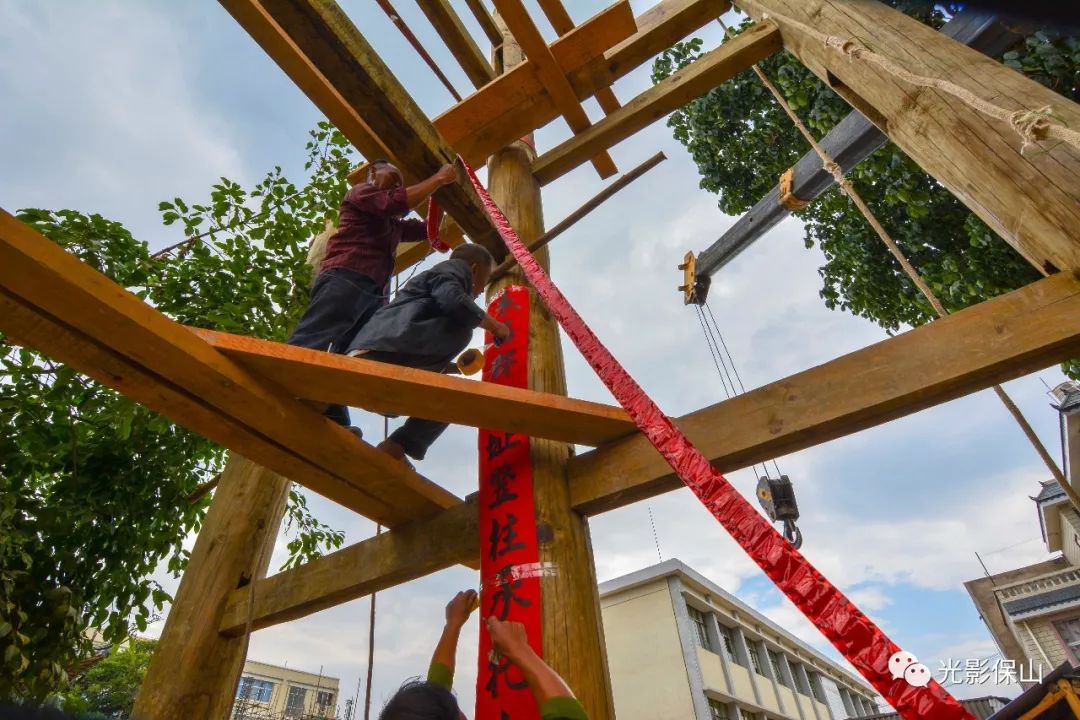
pixel 62 291
pixel 525 32
pixel 562 23
pixel 464 49
pixel 997 340
pixel 591 204
pixel 723 63
pixel 234 545
pixel 487 23
pixel 1032 200
pixel 384 388
pixel 849 142
pixel 375 564
pixel 324 35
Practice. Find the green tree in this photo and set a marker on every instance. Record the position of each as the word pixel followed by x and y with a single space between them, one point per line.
pixel 108 688
pixel 742 142
pixel 95 489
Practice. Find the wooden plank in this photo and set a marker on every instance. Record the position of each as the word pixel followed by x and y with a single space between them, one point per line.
pixel 526 34
pixel 461 44
pixel 384 388
pixel 375 564
pixel 324 35
pixel 849 142
pixel 26 326
pixel 997 340
pixel 59 287
pixel 268 34
pixel 234 545
pixel 562 23
pixel 698 78
pixel 487 23
pixel 1032 200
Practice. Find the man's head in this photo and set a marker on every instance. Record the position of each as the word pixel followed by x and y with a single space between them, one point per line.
pixel 384 175
pixel 422 700
pixel 480 261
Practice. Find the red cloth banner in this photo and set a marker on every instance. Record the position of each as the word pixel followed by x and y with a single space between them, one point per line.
pixel 434 217
pixel 852 633
pixel 509 554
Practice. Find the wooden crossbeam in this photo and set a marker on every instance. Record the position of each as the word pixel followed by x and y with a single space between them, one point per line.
pixel 698 78
pixel 381 562
pixel 487 23
pixel 327 39
pixel 562 23
pixel 461 44
pixel 997 340
pixel 592 56
pixel 383 388
pixel 57 304
pixel 1030 198
pixel 525 32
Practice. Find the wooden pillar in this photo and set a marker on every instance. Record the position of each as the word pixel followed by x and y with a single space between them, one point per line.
pixel 573 637
pixel 194 671
pixel 1031 199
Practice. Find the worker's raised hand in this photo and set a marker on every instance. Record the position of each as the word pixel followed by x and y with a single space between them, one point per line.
pixel 460 608
pixel 508 638
pixel 501 331
pixel 447 174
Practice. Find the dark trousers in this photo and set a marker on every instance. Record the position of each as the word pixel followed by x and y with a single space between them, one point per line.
pixel 417 434
pixel 341 302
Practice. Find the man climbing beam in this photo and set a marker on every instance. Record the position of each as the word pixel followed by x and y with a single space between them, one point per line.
pixel 354 278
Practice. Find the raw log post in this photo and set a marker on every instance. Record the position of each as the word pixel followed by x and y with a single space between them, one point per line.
pixel 1031 199
pixel 194 671
pixel 573 638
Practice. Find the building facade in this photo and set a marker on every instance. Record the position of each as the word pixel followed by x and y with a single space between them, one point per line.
pixel 680 647
pixel 270 692
pixel 1033 612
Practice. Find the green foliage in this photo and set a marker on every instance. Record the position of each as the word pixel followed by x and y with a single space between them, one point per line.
pixel 742 142
pixel 108 688
pixel 94 488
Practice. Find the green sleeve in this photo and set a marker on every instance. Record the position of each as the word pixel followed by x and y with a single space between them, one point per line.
pixel 562 708
pixel 441 675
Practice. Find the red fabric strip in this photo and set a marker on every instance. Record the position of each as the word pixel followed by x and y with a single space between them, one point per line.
pixel 510 555
pixel 434 216
pixel 852 633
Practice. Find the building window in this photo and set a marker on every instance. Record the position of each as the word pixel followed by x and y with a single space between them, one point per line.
pixel 717 710
pixel 746 715
pixel 816 687
pixel 774 660
pixel 727 638
pixel 701 631
pixel 257 690
pixel 324 700
pixel 1070 633
pixel 800 679
pixel 294 706
pixel 755 659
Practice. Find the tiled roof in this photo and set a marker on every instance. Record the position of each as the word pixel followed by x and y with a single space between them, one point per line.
pixel 1043 600
pixel 1050 491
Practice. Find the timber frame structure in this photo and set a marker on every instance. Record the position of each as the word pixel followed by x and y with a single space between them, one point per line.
pixel 256 398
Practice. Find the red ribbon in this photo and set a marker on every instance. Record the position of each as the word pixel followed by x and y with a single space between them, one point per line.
pixel 434 216
pixel 857 638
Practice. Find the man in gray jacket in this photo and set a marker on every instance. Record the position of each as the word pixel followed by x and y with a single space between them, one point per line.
pixel 429 322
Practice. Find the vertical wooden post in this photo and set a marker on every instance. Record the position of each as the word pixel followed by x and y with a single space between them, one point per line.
pixel 573 638
pixel 194 671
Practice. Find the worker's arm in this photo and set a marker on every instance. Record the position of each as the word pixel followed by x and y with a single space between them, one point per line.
pixel 551 692
pixel 415 194
pixel 443 659
pixel 500 330
pixel 450 284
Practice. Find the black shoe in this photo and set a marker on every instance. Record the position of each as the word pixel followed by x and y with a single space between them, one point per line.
pixel 355 431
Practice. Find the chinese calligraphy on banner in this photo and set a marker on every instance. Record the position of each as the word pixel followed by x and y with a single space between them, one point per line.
pixel 507 525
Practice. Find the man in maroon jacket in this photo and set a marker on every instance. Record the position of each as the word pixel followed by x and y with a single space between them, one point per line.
pixel 354 278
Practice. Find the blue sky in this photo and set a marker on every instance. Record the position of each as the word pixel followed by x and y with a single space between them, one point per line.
pixel 114 107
